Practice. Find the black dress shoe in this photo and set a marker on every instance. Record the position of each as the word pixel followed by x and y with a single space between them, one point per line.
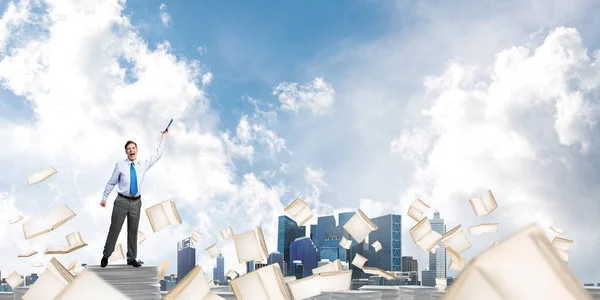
pixel 104 262
pixel 134 263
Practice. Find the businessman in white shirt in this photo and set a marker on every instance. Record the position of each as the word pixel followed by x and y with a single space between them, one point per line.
pixel 128 176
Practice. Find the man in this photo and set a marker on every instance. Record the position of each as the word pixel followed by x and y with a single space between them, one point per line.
pixel 128 175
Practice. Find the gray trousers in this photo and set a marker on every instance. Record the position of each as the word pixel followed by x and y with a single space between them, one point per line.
pixel 121 209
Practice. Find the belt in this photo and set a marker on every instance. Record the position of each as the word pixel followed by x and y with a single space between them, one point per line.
pixel 129 197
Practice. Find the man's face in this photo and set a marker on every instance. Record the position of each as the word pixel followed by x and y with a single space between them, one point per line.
pixel 131 151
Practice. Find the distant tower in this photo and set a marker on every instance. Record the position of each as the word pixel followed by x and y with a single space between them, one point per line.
pixel 437 261
pixel 186 257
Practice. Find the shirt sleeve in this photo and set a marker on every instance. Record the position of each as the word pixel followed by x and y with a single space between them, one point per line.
pixel 110 185
pixel 154 158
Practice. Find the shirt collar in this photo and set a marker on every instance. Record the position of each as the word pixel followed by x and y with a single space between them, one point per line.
pixel 128 161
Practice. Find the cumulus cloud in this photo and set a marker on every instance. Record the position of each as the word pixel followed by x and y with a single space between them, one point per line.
pixel 317 96
pixel 165 18
pixel 526 129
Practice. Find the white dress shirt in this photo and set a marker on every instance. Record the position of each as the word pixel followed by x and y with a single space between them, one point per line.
pixel 121 174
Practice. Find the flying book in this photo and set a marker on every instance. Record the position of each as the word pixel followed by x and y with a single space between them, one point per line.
pixel 456 239
pixel 74 242
pixel 556 229
pixel 359 261
pixel 379 272
pixel 359 226
pixel 377 246
pixel 417 210
pixel 14 280
pixel 562 247
pixel 162 215
pixel 140 237
pixel 72 266
pixel 299 211
pixel 40 176
pixel 118 253
pixel 213 251
pixel 162 268
pixel 484 205
pixel 541 273
pixel 50 283
pixel 227 233
pixel 441 284
pixel 457 262
pixel 232 274
pixel 324 282
pixel 494 244
pixel 483 228
pixel 90 286
pixel 192 286
pixel 27 254
pixel 333 266
pixel 15 219
pixel 345 243
pixel 36 264
pixel 195 236
pixel 78 270
pixel 266 283
pixel 48 222
pixel 425 237
pixel 250 245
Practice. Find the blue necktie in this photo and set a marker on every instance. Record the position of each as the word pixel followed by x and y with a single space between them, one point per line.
pixel 132 180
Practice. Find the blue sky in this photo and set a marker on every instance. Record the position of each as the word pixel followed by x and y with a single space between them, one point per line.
pixel 419 100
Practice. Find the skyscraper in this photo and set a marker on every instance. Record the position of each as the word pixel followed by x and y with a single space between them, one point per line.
pixel 389 258
pixel 409 264
pixel 250 266
pixel 275 257
pixel 287 231
pixel 304 250
pixel 186 257
pixel 324 223
pixel 219 269
pixel 344 217
pixel 331 249
pixel 437 261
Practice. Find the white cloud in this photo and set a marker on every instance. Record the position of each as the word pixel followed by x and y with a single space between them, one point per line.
pixel 165 18
pixel 318 96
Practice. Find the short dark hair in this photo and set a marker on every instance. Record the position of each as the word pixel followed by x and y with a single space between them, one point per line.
pixel 130 142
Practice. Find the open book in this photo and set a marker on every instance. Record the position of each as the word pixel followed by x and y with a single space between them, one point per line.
pixel 250 245
pixel 195 236
pixel 377 246
pixel 266 283
pixel 27 254
pixel 424 236
pixel 48 222
pixel 456 239
pixel 345 243
pixel 457 262
pixel 90 286
pixel 379 272
pixel 141 237
pixel 483 228
pixel 14 280
pixel 36 264
pixel 484 205
pixel 227 233
pixel 74 242
pixel 162 268
pixel 192 286
pixel 213 251
pixel 40 176
pixel 232 274
pixel 162 215
pixel 299 211
pixel 441 284
pixel 562 247
pixel 50 283
pixel 118 253
pixel 324 282
pixel 541 273
pixel 556 229
pixel 359 261
pixel 15 219
pixel 333 266
pixel 359 226
pixel 417 210
pixel 72 266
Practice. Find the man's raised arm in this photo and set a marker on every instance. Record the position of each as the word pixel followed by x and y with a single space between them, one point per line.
pixel 110 185
pixel 159 152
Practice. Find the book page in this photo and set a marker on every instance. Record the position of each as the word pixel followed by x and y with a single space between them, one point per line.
pixel 60 271
pixel 333 266
pixel 47 222
pixel 14 280
pixel 456 239
pixel 456 260
pixel 118 254
pixel 157 217
pixel 195 236
pixel 15 219
pixel 299 211
pixel 424 236
pixel 541 273
pixel 417 210
pixel 359 226
pixel 141 237
pixel 273 282
pixel 40 176
pixel 27 254
pixel 483 228
pixel 249 287
pixel 56 250
pixel 556 229
pixel 336 281
pixel 484 205
pixel 213 251
pixel 377 246
pixel 227 233
pixel 171 212
pixel 359 261
pixel 306 287
pixel 192 286
pixel 72 265
pixel 46 287
pixel 250 245
pixel 88 281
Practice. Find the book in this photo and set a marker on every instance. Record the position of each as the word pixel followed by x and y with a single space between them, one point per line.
pixel 345 243
pixel 14 280
pixel 417 210
pixel 483 228
pixel 484 205
pixel 50 283
pixel 47 222
pixel 425 237
pixel 541 274
pixel 36 264
pixel 377 246
pixel 333 266
pixel 15 219
pixel 457 262
pixel 192 286
pixel 195 236
pixel 359 261
pixel 232 274
pixel 227 233
pixel 323 282
pixel 299 211
pixel 556 229
pixel 27 254
pixel 456 239
pixel 140 237
pixel 562 247
pixel 90 286
pixel 359 226
pixel 72 266
pixel 162 215
pixel 74 242
pixel 213 251
pixel 266 283
pixel 441 284
pixel 379 272
pixel 118 253
pixel 162 268
pixel 40 176
pixel 250 245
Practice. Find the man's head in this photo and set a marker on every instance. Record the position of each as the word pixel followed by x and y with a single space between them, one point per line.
pixel 131 150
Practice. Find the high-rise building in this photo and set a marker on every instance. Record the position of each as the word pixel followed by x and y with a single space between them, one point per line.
pixel 324 223
pixel 331 249
pixel 344 217
pixel 304 250
pixel 30 279
pixel 276 257
pixel 313 232
pixel 219 269
pixel 437 260
pixel 409 264
pixel 389 258
pixel 250 266
pixel 428 277
pixel 186 257
pixel 287 231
